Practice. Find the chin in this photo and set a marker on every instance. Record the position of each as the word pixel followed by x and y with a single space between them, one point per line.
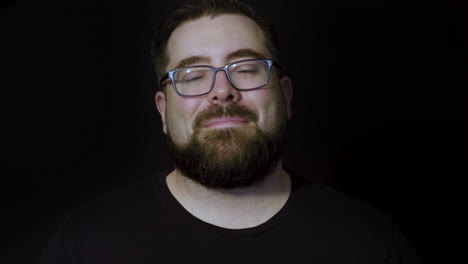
pixel 229 157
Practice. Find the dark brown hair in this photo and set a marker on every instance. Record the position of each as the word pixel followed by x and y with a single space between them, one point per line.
pixel 193 9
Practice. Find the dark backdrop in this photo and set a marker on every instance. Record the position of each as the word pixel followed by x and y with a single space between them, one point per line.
pixel 378 111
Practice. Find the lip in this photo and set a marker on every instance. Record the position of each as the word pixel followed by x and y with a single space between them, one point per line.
pixel 225 121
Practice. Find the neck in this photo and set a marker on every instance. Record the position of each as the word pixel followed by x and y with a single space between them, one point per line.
pixel 236 208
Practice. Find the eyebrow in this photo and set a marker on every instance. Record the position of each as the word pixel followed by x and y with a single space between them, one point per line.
pixel 191 60
pixel 236 54
pixel 245 53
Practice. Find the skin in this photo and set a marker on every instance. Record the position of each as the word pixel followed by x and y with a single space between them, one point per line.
pixel 215 39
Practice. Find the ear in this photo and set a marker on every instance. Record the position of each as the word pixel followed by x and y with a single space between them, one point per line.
pixel 286 88
pixel 160 99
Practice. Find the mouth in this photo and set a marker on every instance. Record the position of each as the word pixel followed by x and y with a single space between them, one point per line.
pixel 225 121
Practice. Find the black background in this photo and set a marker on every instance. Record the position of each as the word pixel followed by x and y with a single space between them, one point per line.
pixel 378 110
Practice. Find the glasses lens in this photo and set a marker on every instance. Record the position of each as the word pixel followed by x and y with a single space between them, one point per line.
pixel 194 80
pixel 249 74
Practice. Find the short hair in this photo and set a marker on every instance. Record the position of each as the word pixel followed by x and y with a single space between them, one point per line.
pixel 190 10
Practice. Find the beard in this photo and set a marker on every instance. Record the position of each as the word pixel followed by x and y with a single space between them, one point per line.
pixel 229 157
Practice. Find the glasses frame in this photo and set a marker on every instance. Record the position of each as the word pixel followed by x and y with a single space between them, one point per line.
pixel 170 75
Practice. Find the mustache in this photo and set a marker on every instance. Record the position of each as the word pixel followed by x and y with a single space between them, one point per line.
pixel 232 110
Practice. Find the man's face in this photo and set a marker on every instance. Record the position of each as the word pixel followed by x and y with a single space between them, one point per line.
pixel 225 121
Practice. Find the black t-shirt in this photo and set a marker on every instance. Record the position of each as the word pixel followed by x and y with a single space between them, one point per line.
pixel 145 224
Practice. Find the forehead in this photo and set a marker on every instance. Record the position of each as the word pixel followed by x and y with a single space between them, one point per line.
pixel 215 38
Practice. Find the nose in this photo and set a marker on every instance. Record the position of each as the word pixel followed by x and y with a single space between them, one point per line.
pixel 223 92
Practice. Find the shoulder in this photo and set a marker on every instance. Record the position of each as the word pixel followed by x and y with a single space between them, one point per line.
pixel 339 220
pixel 335 209
pixel 317 193
pixel 122 205
pixel 117 221
pixel 314 192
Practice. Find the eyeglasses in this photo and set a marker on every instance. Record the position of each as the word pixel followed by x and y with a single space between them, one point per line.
pixel 199 80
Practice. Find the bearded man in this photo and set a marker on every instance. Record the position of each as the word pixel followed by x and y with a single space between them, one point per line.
pixel 224 104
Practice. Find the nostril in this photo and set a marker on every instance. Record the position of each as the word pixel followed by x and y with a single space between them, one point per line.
pixel 228 98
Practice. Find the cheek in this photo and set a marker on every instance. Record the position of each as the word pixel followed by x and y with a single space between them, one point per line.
pixel 179 118
pixel 271 109
pixel 275 113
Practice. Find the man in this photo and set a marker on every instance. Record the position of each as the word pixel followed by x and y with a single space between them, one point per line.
pixel 224 104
